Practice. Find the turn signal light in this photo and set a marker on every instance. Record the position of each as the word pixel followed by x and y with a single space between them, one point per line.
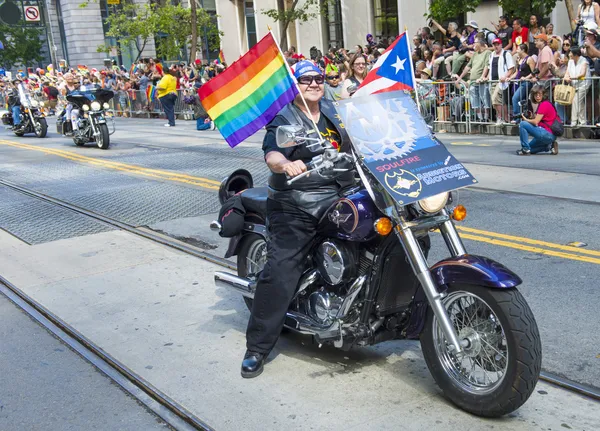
pixel 383 226
pixel 459 213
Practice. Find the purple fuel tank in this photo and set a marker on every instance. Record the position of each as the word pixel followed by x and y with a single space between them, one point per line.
pixel 351 218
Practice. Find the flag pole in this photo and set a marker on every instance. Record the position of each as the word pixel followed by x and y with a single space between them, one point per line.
pixel 412 68
pixel 289 69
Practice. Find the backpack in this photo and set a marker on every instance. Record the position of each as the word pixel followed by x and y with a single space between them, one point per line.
pixel 557 127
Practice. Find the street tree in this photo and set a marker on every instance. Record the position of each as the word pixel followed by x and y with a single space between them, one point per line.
pixel 306 11
pixel 22 45
pixel 170 26
pixel 442 10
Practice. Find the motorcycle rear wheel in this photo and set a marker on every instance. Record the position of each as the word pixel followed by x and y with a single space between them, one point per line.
pixel 498 371
pixel 251 259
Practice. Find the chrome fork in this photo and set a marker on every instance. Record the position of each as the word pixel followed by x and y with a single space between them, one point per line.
pixel 421 269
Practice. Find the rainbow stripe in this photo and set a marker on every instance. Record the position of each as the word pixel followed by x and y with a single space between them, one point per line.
pixel 221 57
pixel 250 92
pixel 151 92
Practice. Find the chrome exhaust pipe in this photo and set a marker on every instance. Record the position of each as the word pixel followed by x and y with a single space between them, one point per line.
pixel 239 284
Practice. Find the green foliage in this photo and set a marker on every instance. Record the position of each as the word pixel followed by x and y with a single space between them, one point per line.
pixel 22 45
pixel 170 26
pixel 443 10
pixel 525 8
pixel 310 9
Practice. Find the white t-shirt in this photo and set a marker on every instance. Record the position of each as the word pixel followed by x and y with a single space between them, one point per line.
pixel 575 70
pixel 502 66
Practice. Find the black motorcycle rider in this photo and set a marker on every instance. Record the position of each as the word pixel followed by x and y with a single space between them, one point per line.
pixel 293 211
pixel 14 104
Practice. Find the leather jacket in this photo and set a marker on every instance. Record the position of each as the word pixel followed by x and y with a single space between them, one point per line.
pixel 312 194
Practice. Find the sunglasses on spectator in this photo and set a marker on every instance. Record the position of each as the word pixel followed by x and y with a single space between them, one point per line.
pixel 308 79
pixel 360 64
pixel 333 76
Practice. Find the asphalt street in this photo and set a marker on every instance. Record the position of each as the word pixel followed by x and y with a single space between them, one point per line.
pixel 46 386
pixel 166 179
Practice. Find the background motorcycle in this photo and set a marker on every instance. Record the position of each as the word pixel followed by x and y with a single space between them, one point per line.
pixel 32 118
pixel 92 124
pixel 367 280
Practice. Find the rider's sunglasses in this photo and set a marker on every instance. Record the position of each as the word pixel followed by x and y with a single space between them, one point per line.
pixel 308 79
pixel 333 76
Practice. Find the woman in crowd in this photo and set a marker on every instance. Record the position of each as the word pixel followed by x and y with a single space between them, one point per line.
pixel 589 12
pixel 550 29
pixel 535 129
pixel 578 74
pixel 523 73
pixel 535 29
pixel 356 74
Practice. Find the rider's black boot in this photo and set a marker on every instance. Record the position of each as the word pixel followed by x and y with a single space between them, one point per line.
pixel 253 364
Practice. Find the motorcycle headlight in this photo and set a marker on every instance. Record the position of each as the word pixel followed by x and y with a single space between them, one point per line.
pixel 86 108
pixel 95 106
pixel 106 106
pixel 34 103
pixel 433 204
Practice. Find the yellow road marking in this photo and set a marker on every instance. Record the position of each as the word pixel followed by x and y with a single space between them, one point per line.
pixel 123 167
pixel 529 241
pixel 531 249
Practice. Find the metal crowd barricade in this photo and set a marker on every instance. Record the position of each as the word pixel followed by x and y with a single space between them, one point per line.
pixel 135 103
pixel 445 102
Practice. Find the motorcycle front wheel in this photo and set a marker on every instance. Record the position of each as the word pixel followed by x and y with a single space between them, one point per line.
pixel 498 370
pixel 103 138
pixel 41 128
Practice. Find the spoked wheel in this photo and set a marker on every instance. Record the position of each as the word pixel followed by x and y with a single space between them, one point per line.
pixel 41 128
pixel 251 259
pixel 500 365
pixel 103 138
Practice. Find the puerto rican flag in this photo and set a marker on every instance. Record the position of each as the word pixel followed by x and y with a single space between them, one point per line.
pixel 392 72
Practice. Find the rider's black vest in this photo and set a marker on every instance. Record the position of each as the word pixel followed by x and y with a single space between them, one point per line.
pixel 312 194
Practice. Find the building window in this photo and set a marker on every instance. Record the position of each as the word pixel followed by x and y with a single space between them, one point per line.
pixel 123 54
pixel 204 37
pixel 250 23
pixel 386 18
pixel 334 26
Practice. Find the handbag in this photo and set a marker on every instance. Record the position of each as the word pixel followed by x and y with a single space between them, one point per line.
pixel 564 94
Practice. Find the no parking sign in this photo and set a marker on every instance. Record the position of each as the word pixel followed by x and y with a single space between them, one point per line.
pixel 32 13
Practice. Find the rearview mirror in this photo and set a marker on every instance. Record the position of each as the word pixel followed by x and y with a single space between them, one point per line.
pixel 289 136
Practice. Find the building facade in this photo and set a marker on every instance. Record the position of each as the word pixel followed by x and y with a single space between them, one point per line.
pixel 347 22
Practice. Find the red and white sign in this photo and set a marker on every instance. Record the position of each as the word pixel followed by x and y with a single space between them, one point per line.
pixel 32 13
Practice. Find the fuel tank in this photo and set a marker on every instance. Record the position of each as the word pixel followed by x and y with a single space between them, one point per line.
pixel 351 217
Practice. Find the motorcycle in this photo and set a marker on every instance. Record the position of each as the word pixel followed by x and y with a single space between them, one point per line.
pixel 92 106
pixel 367 280
pixel 32 118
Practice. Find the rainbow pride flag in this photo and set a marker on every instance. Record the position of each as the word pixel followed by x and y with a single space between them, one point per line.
pixel 221 57
pixel 151 92
pixel 250 92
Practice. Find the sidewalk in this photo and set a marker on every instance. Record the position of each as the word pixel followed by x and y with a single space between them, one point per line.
pixel 157 311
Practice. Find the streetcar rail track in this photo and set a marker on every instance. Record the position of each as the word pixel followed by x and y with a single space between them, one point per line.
pixel 548 377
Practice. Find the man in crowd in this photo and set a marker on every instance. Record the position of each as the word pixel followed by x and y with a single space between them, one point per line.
pixel 504 32
pixel 520 35
pixel 545 57
pixel 466 49
pixel 501 67
pixel 478 69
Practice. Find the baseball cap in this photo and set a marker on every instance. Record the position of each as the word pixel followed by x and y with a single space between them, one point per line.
pixel 497 40
pixel 542 36
pixel 304 67
pixel 592 31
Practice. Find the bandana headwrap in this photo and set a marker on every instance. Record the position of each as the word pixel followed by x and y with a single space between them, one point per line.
pixel 331 68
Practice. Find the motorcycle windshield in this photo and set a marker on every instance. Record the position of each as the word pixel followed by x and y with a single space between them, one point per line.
pixel 399 149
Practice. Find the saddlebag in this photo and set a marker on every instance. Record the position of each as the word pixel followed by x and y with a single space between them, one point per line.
pixel 231 217
pixel 6 119
pixel 63 126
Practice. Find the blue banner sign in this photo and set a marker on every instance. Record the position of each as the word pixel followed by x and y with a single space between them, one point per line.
pixel 398 147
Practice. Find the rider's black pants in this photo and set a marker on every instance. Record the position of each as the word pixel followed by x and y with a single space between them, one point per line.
pixel 291 232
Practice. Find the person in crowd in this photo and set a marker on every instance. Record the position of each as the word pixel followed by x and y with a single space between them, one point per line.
pixel 501 68
pixel 333 89
pixel 51 93
pixel 356 74
pixel 523 73
pixel 167 95
pixel 504 32
pixel 371 41
pixel 456 63
pixel 293 212
pixel 535 29
pixel 426 91
pixel 425 34
pixel 550 29
pixel 428 58
pixel 591 45
pixel 535 129
pixel 478 69
pixel 544 60
pixel 451 49
pixel 589 12
pixel 418 60
pixel 520 35
pixel 578 74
